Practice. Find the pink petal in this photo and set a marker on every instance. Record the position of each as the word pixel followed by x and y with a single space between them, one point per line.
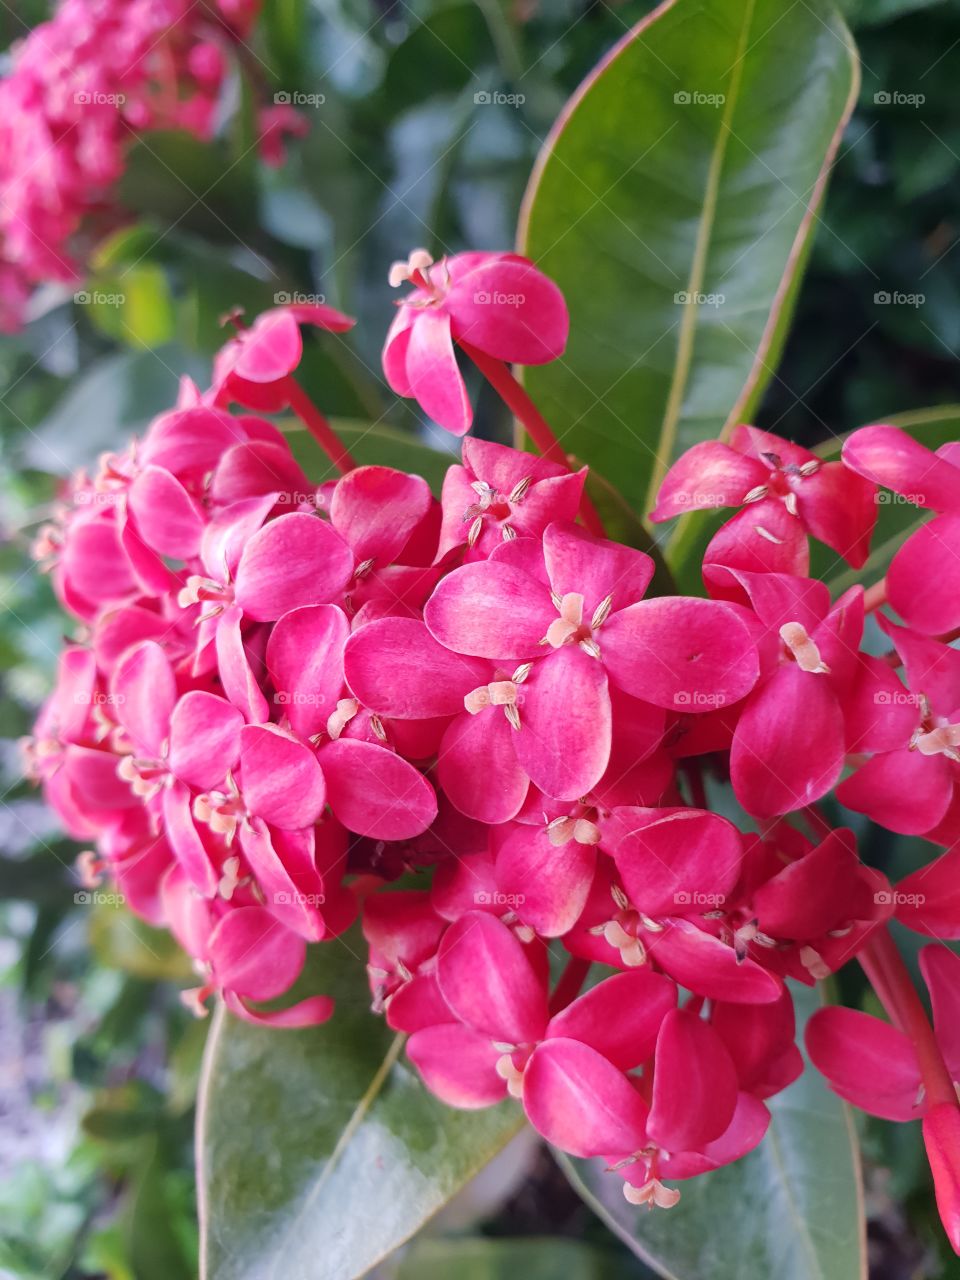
pixel 305 661
pixel 619 1017
pixel 709 474
pixel 144 691
pixel 458 1065
pixel 941 972
pixel 745 1132
pixel 694 1084
pixel 788 748
pixel 510 310
pixel 478 769
pixel 680 653
pixel 270 349
pixel 432 373
pixel 929 899
pixel 258 467
pixel 185 840
pixel 595 568
pixel 866 1061
pixel 233 663
pixel 760 1040
pixel 923 581
pixel 395 348
pixel 814 894
pixel 397 669
pixel 283 864
pixel 204 739
pixel 255 956
pixel 673 860
pixel 581 1103
pixel 167 518
pixel 293 561
pixel 702 963
pixel 840 508
pixel 376 509
pixel 941 1138
pixel 565 723
pixel 762 538
pixel 888 456
pixel 488 981
pixel 282 781
pixel 375 792
pixel 490 610
pixel 904 791
pixel 546 885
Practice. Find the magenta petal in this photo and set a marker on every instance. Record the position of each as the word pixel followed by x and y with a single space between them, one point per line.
pixel 620 1017
pixel 185 840
pixel 144 690
pixel 270 349
pixel 904 791
pixel 929 899
pixel 923 581
pixel 292 561
pixel 375 792
pixel 675 861
pixel 394 356
pixel 762 538
pixel 694 1084
pixel 233 663
pixel 488 981
pixel 711 968
pixel 565 723
pixel 433 375
pixel 255 956
pixel 477 767
pixel 376 509
pixel 257 467
pixel 490 610
pixel 888 456
pixel 582 1103
pixel 546 885
pixel 510 310
pixel 941 972
pixel 397 669
pixel 709 474
pixel 745 1132
pixel 594 567
pixel 204 738
pixel 680 653
pixel 458 1065
pixel 283 864
pixel 866 1061
pixel 282 781
pixel 788 747
pixel 941 1140
pixel 167 518
pixel 306 1013
pixel 305 661
pixel 840 509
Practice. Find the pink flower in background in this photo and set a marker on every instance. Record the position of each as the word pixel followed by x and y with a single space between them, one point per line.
pixel 497 302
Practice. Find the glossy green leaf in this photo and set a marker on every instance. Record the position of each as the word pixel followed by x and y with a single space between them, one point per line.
pixel 673 203
pixel 791 1209
pixel 319 1151
pixel 535 1258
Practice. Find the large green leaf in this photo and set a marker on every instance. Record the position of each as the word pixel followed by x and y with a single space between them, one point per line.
pixel 319 1151
pixel 534 1258
pixel 791 1209
pixel 689 165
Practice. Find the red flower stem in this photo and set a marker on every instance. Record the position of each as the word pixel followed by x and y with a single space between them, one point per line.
pixel 318 426
pixel 875 596
pixel 568 987
pixel 498 374
pixel 888 975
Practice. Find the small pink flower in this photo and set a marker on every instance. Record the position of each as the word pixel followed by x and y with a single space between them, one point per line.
pixel 497 302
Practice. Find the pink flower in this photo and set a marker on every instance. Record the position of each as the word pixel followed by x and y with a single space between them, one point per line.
pixel 500 493
pixel 909 783
pixel 874 1066
pixel 923 581
pixel 786 491
pixel 497 302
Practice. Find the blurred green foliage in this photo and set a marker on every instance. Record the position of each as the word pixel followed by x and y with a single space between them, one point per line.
pixel 410 145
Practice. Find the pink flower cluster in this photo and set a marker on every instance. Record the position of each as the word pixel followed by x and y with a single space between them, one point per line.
pixel 84 86
pixel 286 695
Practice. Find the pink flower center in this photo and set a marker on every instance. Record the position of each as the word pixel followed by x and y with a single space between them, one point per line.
pixel 570 627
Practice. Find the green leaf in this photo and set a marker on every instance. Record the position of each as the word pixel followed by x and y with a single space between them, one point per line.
pixel 370 445
pixel 534 1258
pixel 792 1208
pixel 689 165
pixel 319 1151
